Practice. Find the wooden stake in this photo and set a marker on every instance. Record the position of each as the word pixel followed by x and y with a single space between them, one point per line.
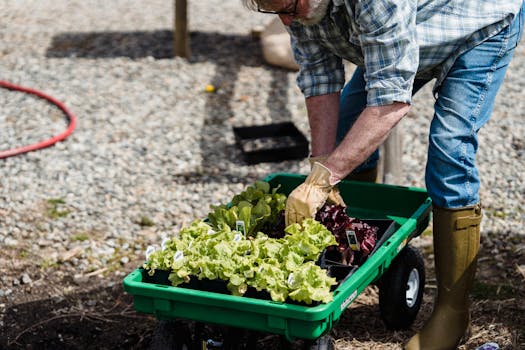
pixel 181 39
pixel 392 154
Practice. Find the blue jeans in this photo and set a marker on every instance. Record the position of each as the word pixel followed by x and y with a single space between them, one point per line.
pixel 464 103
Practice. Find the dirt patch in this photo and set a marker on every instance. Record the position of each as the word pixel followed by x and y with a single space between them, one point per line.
pixel 56 311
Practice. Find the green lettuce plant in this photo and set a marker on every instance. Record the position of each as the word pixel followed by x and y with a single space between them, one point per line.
pixel 284 267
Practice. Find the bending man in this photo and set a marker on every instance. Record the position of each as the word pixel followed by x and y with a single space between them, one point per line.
pixel 398 46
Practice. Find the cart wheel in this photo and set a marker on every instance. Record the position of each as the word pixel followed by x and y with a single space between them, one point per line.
pixel 238 339
pixel 401 289
pixel 324 342
pixel 171 335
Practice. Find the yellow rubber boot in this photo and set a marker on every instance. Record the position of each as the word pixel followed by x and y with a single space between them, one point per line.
pixel 456 246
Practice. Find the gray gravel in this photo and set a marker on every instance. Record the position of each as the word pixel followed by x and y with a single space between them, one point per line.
pixel 152 150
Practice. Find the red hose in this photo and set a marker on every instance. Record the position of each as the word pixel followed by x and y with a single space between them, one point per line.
pixel 43 144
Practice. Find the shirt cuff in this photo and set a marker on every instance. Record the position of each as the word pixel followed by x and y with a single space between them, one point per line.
pixel 383 97
pixel 321 89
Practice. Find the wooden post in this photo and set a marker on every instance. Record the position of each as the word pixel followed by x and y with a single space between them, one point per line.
pixel 181 38
pixel 392 157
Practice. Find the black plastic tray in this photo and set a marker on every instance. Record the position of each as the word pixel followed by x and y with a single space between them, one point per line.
pixel 271 142
pixel 386 228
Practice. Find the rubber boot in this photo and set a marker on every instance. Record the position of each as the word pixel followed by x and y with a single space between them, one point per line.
pixel 369 175
pixel 456 246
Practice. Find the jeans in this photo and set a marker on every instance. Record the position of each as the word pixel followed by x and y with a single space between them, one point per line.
pixel 464 103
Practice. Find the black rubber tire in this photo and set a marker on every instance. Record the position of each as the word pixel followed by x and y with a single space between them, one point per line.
pixel 171 335
pixel 324 342
pixel 190 335
pixel 397 312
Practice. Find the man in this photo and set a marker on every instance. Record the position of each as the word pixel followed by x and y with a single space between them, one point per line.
pixel 399 46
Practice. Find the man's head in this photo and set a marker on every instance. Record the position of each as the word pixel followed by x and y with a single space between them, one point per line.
pixel 307 12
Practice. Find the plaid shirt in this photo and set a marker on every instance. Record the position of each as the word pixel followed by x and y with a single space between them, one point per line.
pixel 394 41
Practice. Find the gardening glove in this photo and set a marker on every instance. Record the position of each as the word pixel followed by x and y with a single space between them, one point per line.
pixel 310 196
pixel 334 197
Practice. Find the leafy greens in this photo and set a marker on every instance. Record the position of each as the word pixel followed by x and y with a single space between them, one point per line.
pixel 284 267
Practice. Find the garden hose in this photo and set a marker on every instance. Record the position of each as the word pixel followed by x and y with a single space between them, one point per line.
pixel 72 121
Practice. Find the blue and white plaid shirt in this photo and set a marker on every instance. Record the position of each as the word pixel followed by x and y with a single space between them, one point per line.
pixel 394 41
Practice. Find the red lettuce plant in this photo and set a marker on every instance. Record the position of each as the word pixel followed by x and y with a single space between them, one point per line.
pixel 337 221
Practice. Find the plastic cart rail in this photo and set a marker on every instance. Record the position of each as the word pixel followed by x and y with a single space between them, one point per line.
pixel 408 207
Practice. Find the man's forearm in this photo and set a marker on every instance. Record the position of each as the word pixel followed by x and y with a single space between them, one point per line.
pixel 367 134
pixel 323 114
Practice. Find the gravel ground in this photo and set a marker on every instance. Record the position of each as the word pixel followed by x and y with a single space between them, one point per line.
pixel 152 149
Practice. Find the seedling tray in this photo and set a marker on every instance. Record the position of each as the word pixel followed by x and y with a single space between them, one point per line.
pixel 271 142
pixel 327 261
pixel 407 207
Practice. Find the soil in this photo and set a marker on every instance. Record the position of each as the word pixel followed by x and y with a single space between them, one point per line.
pixel 57 311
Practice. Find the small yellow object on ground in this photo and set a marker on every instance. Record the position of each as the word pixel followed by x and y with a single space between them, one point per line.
pixel 209 88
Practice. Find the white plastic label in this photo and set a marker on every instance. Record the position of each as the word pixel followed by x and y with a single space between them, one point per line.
pixel 149 250
pixel 353 243
pixel 290 279
pixel 164 243
pixel 241 227
pixel 179 255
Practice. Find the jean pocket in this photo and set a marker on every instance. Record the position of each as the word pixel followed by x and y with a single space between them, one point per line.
pixel 516 28
pixel 521 20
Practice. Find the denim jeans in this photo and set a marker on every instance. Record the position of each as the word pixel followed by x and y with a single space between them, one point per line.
pixel 464 103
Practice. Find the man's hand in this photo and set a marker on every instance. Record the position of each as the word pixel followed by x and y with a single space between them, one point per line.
pixel 334 197
pixel 308 197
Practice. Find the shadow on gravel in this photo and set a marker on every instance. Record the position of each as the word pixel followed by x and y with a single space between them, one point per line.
pixel 138 44
pixel 205 46
pixel 229 52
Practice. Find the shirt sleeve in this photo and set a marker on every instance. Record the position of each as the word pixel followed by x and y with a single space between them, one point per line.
pixel 388 40
pixel 321 72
